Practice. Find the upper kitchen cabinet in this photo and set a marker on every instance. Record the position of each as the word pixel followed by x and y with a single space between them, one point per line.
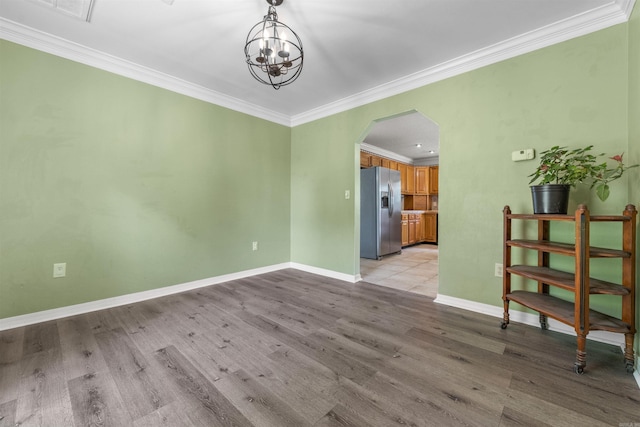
pixel 365 159
pixel 407 178
pixel 422 180
pixel 411 179
pixel 433 180
pixel 368 160
pixel 426 180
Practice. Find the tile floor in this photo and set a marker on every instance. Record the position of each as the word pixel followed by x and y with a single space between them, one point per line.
pixel 414 270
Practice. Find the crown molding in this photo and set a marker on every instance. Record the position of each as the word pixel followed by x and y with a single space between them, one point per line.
pixel 616 12
pixel 27 36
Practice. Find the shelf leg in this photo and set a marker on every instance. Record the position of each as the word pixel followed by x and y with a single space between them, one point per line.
pixel 581 355
pixel 505 316
pixel 628 352
pixel 543 322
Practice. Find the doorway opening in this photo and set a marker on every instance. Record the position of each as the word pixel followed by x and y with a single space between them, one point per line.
pixel 406 142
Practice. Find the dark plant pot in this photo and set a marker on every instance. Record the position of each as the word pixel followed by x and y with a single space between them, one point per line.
pixel 550 198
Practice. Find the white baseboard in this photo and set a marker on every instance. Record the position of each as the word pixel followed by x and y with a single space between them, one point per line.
pixel 327 273
pixel 73 310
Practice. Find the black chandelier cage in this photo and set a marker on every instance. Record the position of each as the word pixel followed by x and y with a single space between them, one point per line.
pixel 273 50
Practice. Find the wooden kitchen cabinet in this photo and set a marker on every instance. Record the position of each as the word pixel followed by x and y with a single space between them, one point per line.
pixel 430 226
pixel 403 179
pixel 432 183
pixel 365 159
pixel 419 228
pixel 405 229
pixel 388 163
pixel 376 160
pixel 411 179
pixel 413 228
pixel 422 180
pixel 407 179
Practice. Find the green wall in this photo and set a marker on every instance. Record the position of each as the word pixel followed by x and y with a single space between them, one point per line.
pixel 573 93
pixel 134 187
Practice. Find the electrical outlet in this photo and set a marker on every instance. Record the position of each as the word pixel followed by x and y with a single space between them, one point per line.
pixel 59 270
pixel 498 270
pixel 255 246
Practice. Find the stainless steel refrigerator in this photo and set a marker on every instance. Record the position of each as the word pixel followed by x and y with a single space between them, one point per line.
pixel 380 212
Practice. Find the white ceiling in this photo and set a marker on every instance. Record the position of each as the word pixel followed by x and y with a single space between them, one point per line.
pixel 356 51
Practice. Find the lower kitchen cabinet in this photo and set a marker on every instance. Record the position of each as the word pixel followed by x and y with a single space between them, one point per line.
pixel 430 221
pixel 413 228
pixel 405 229
pixel 419 228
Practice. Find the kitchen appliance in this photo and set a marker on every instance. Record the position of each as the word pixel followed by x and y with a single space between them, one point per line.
pixel 380 212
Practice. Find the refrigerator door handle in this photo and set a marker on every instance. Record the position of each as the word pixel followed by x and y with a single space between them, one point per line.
pixel 390 199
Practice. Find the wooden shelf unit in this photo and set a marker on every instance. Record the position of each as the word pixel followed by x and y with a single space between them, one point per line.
pixel 576 313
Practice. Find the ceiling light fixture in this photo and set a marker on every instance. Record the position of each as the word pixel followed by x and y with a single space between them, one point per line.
pixel 418 145
pixel 273 50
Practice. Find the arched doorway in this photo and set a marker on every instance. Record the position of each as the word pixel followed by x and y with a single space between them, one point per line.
pixel 409 143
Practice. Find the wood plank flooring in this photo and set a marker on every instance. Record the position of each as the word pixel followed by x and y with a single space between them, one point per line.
pixel 294 349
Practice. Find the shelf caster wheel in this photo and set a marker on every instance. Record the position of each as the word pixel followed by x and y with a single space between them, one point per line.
pixel 544 325
pixel 503 325
pixel 629 367
pixel 577 369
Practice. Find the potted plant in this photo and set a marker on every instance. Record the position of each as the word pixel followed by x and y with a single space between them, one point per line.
pixel 561 168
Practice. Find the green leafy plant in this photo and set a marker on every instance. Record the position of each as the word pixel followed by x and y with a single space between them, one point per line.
pixel 560 165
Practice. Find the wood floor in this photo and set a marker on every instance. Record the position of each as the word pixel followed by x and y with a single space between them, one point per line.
pixel 293 349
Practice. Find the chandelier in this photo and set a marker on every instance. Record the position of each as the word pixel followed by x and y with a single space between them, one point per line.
pixel 273 50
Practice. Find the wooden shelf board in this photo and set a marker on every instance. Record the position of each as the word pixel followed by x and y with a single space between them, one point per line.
pixel 563 311
pixel 566 248
pixel 565 280
pixel 559 217
pixel 542 217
